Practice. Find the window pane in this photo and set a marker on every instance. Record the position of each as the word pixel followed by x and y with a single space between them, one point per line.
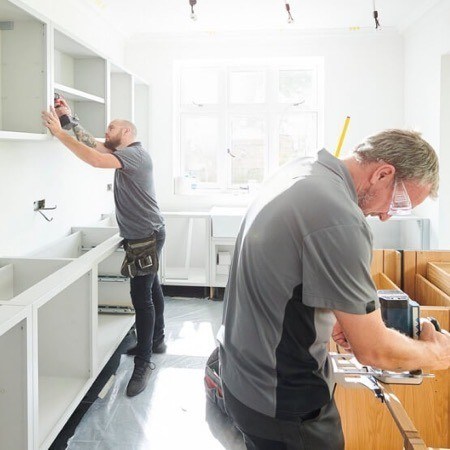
pixel 199 86
pixel 247 149
pixel 297 86
pixel 297 136
pixel 247 87
pixel 199 142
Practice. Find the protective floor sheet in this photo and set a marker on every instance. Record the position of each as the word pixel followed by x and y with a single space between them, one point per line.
pixel 173 412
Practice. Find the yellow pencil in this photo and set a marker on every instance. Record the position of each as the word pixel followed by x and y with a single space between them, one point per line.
pixel 342 137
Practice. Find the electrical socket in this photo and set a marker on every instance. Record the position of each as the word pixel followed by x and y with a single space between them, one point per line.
pixel 39 204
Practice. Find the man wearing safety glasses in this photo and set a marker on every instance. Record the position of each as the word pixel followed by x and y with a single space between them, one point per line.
pixel 301 273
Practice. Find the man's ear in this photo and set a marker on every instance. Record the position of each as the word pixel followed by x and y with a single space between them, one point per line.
pixel 383 173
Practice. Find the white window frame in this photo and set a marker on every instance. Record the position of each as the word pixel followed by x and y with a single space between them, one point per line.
pixel 272 110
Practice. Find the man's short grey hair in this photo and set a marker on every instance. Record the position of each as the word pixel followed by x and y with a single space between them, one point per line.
pixel 414 159
pixel 128 124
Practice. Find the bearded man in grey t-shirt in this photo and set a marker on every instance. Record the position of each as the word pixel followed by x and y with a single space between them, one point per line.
pixel 140 223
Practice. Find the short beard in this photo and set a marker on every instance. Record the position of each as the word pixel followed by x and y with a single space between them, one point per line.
pixel 112 144
pixel 363 199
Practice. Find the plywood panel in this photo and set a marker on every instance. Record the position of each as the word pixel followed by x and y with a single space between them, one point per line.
pixel 428 294
pixel 377 262
pixel 392 265
pixel 383 282
pixel 409 273
pixel 439 275
pixel 416 263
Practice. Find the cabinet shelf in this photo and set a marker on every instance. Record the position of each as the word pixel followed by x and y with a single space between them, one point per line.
pixel 70 93
pixel 111 329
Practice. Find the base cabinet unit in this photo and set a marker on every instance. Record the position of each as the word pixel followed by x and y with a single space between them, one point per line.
pixel 52 335
pixel 113 287
pixel 185 255
pixel 16 394
pixel 64 325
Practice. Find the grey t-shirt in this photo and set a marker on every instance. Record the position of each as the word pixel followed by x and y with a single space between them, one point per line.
pixel 303 250
pixel 137 211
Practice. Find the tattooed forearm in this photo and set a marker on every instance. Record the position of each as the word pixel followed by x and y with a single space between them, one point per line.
pixel 83 136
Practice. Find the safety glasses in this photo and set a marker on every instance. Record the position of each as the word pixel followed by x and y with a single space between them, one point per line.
pixel 400 203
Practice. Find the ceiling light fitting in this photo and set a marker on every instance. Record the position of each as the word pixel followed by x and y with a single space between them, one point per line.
pixel 193 3
pixel 288 9
pixel 375 16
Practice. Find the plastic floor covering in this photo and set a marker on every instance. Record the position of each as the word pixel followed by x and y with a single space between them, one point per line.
pixel 173 412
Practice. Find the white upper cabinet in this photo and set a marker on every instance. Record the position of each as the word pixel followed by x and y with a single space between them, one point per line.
pixel 80 76
pixel 120 93
pixel 38 60
pixel 141 111
pixel 23 73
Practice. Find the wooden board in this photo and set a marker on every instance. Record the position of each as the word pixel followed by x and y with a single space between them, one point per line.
pixel 389 263
pixel 416 263
pixel 439 275
pixel 428 294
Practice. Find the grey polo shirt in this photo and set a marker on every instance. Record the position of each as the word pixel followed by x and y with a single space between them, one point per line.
pixel 303 250
pixel 137 211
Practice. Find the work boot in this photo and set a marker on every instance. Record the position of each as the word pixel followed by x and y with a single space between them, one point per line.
pixel 157 348
pixel 139 378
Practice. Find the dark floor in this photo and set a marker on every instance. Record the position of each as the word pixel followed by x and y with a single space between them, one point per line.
pixel 60 443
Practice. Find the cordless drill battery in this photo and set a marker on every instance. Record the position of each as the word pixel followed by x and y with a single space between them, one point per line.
pixel 400 312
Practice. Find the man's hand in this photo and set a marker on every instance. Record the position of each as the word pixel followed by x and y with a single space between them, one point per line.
pixel 340 338
pixel 441 339
pixel 62 107
pixel 51 120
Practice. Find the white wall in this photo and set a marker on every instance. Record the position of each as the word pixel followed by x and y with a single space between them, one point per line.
pixel 426 41
pixel 31 171
pixel 363 79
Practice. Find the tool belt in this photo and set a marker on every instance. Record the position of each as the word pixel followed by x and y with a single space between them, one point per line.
pixel 141 257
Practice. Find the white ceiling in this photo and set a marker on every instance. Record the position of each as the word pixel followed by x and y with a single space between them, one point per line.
pixel 137 17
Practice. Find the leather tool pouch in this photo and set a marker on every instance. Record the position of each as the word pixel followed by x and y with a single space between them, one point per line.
pixel 141 257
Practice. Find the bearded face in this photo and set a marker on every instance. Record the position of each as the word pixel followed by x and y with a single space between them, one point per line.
pixel 112 142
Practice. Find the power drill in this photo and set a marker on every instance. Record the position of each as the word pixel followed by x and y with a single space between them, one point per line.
pixel 67 122
pixel 401 313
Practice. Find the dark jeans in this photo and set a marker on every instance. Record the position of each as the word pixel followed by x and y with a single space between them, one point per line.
pixel 317 430
pixel 148 301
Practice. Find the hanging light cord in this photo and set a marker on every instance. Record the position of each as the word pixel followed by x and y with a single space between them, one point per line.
pixel 288 9
pixel 192 3
pixel 375 16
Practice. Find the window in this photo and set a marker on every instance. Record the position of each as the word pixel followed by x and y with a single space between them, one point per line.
pixel 236 123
